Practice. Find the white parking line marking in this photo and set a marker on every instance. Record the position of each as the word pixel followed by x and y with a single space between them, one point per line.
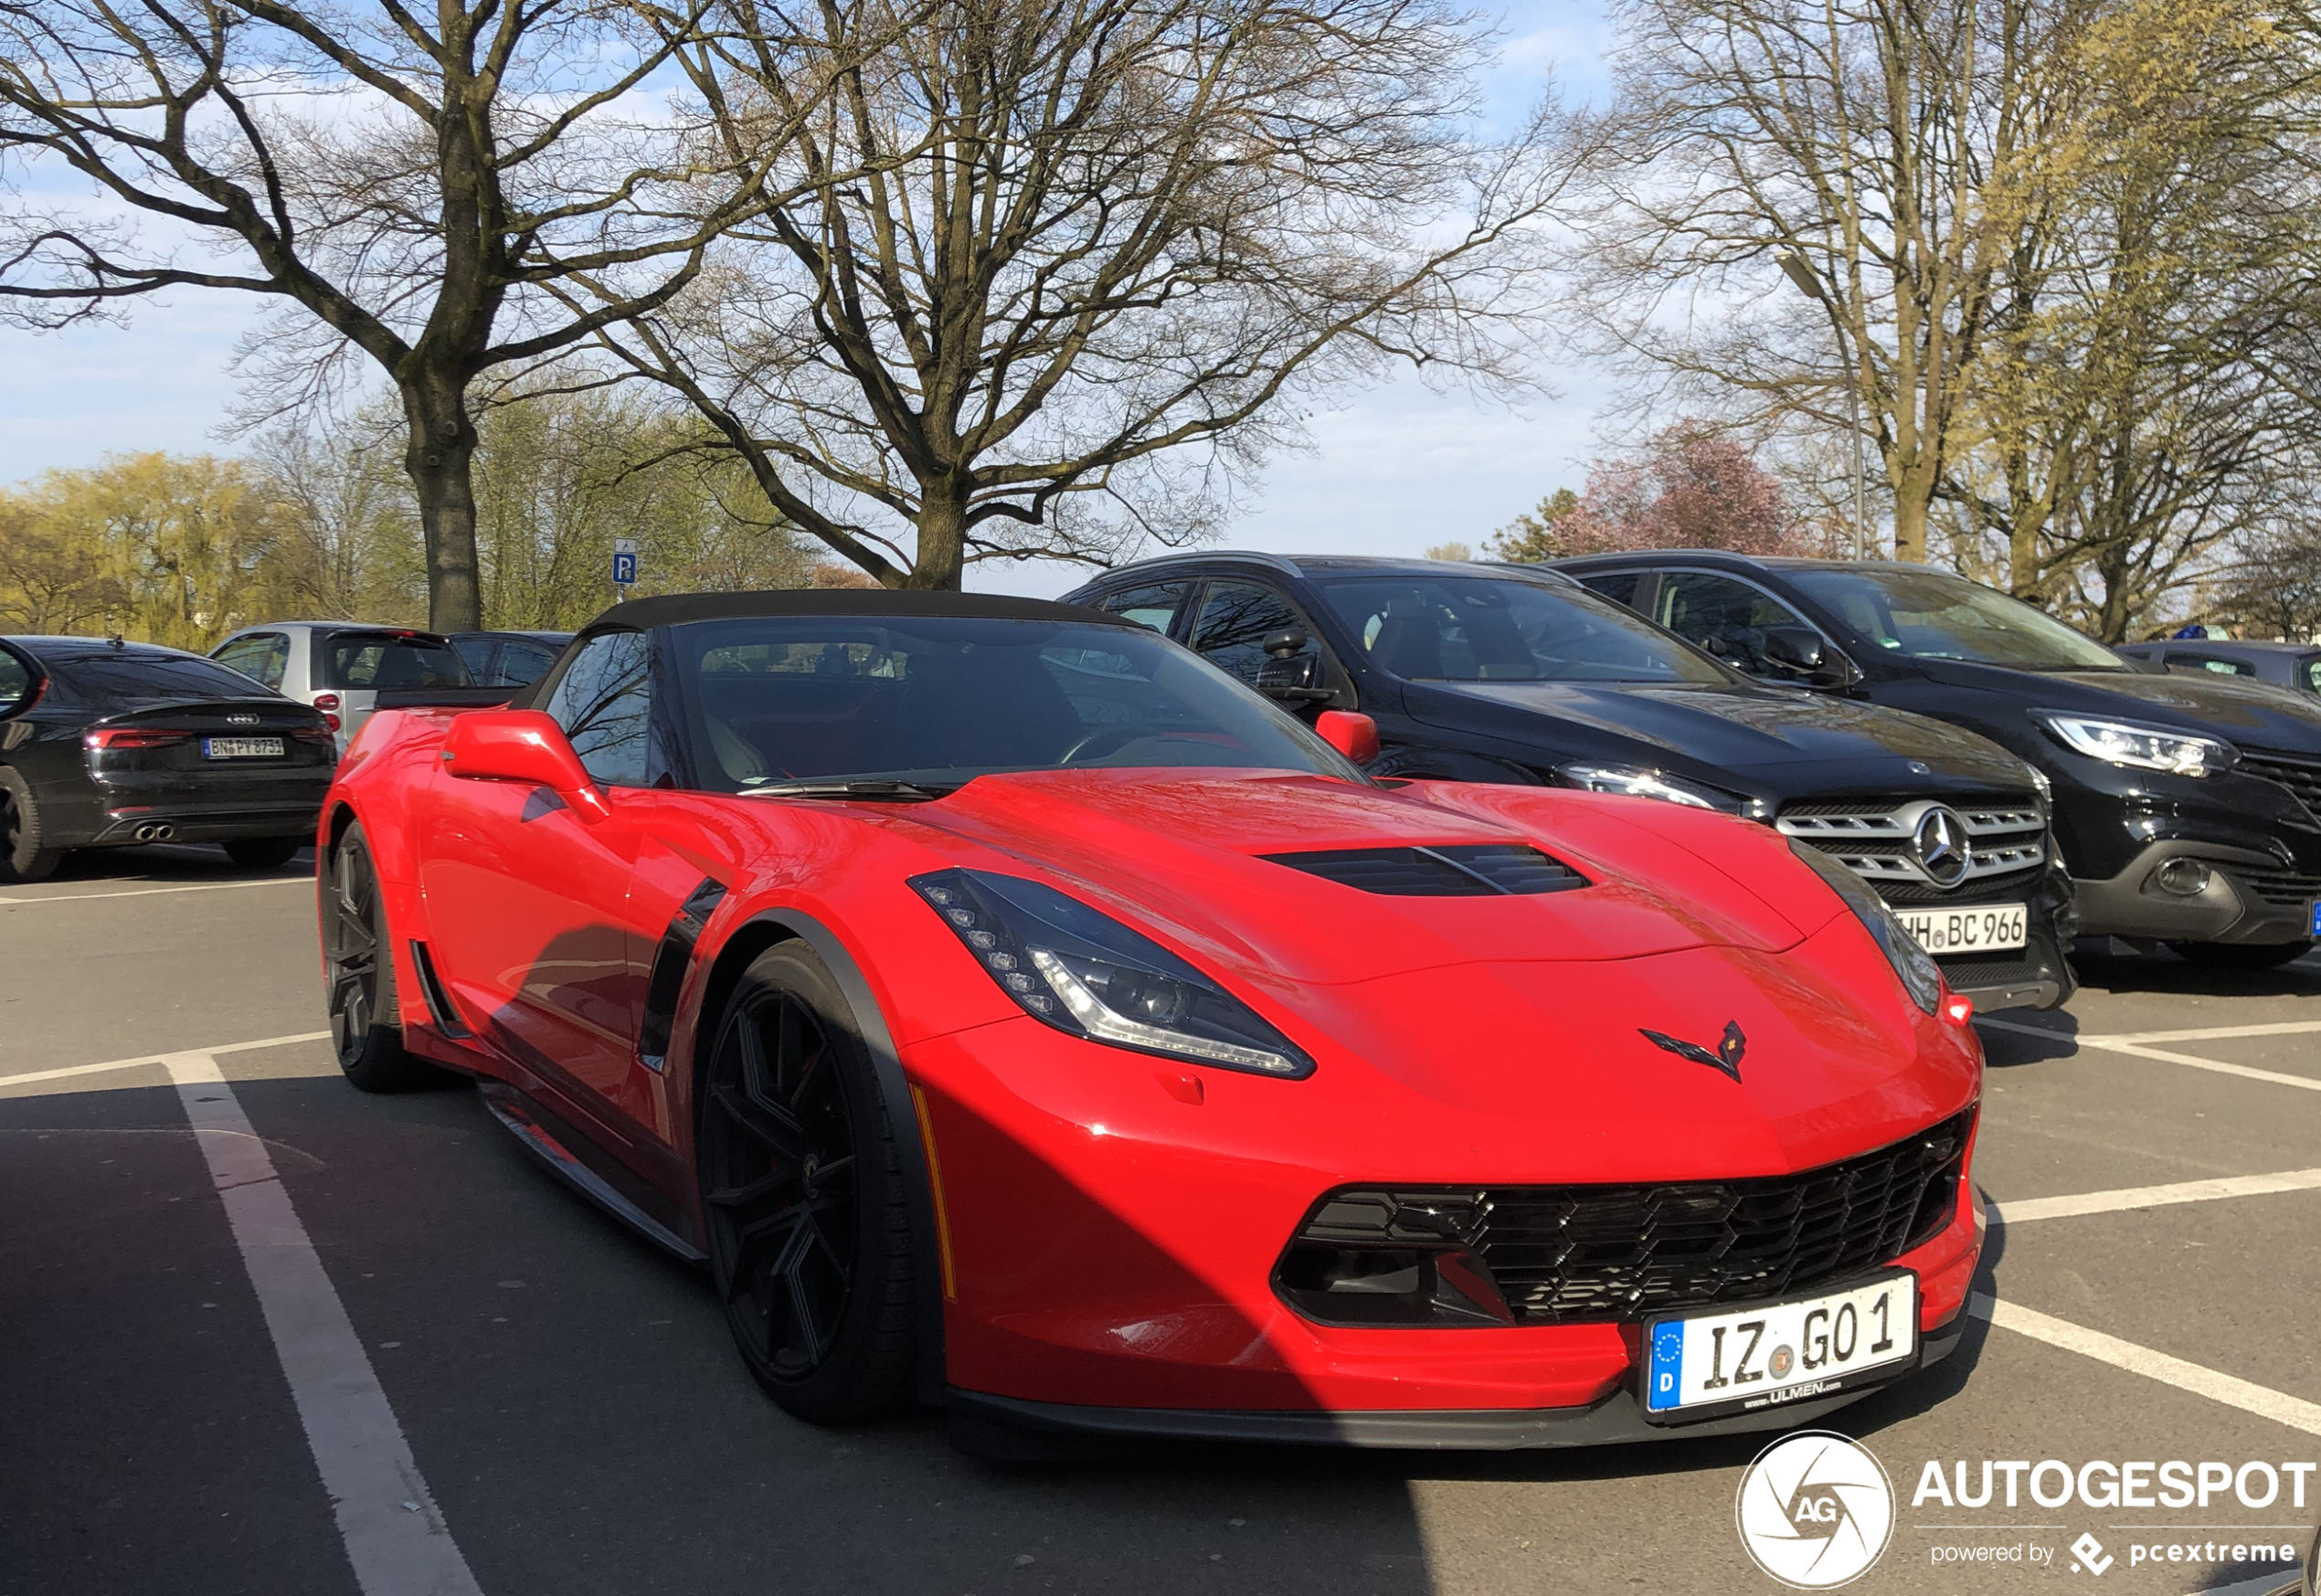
pixel 230 1047
pixel 2131 1197
pixel 2213 1033
pixel 2255 1587
pixel 2110 1044
pixel 208 886
pixel 395 1537
pixel 2232 1391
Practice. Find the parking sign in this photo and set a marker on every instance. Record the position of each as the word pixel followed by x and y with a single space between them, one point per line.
pixel 624 561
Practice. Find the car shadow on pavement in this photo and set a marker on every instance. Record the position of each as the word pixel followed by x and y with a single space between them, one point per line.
pixel 171 863
pixel 2164 973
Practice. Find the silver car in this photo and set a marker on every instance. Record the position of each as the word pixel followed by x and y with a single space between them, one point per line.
pixel 348 670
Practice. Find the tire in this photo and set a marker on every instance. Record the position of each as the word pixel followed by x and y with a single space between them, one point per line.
pixel 809 1232
pixel 2243 956
pixel 23 856
pixel 358 980
pixel 263 852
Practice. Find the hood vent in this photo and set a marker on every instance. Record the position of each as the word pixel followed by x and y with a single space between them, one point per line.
pixel 1466 870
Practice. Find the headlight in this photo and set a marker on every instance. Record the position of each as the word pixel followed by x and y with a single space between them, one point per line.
pixel 1088 976
pixel 2142 748
pixel 1912 964
pixel 1635 781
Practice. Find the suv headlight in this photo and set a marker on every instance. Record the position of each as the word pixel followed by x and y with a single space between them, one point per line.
pixel 1636 781
pixel 1914 966
pixel 1082 972
pixel 2140 747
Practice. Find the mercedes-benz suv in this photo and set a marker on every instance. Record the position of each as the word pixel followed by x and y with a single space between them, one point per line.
pixel 1480 673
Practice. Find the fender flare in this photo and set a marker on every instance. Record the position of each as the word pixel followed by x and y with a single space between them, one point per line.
pixel 893 1089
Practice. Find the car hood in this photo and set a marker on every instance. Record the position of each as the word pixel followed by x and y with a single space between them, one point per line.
pixel 1736 728
pixel 1522 1019
pixel 2251 713
pixel 1188 854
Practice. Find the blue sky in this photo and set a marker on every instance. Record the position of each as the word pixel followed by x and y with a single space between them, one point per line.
pixel 1393 470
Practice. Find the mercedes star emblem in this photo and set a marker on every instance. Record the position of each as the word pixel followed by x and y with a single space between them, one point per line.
pixel 1940 842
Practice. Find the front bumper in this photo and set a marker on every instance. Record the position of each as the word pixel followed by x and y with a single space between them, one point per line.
pixel 1616 1420
pixel 1110 1236
pixel 2251 897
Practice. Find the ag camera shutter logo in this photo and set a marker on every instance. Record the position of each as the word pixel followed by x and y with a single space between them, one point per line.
pixel 1815 1510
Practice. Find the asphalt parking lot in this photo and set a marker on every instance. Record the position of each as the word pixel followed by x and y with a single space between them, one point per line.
pixel 576 1424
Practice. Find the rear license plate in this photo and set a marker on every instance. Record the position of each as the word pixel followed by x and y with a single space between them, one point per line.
pixel 1772 1353
pixel 1985 925
pixel 2317 919
pixel 242 747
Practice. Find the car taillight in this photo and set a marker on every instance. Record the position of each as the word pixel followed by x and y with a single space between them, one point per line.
pixel 326 700
pixel 331 721
pixel 318 733
pixel 129 737
pixel 1957 1008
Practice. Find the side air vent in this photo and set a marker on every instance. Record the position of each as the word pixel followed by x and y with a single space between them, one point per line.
pixel 668 977
pixel 1464 870
pixel 439 1001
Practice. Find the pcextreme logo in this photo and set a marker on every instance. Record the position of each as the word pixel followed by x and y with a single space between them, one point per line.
pixel 1815 1510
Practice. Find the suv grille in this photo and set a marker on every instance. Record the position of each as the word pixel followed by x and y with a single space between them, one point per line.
pixel 1876 840
pixel 1572 1255
pixel 2301 776
pixel 2280 888
pixel 1461 871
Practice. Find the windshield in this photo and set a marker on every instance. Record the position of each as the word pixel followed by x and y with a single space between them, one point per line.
pixel 389 661
pixel 937 702
pixel 1485 629
pixel 1932 615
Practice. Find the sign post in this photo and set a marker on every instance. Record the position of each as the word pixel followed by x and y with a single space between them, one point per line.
pixel 624 564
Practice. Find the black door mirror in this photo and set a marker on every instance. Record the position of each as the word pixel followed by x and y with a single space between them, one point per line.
pixel 1297 679
pixel 1288 640
pixel 1799 651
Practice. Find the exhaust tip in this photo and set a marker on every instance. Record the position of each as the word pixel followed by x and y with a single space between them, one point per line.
pixel 155 831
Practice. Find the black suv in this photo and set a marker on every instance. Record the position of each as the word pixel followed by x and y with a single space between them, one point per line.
pixel 1483 673
pixel 2186 805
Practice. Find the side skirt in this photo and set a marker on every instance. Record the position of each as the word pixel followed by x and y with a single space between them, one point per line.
pixel 508 1106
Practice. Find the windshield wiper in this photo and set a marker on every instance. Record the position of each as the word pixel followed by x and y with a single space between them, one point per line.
pixel 897 791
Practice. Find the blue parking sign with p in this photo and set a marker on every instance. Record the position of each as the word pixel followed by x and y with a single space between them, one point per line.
pixel 624 569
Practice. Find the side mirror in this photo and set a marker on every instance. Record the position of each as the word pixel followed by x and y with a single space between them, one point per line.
pixel 1352 733
pixel 522 744
pixel 1297 679
pixel 1288 640
pixel 1799 651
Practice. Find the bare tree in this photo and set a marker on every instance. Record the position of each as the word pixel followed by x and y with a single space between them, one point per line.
pixel 411 185
pixel 1796 213
pixel 1056 268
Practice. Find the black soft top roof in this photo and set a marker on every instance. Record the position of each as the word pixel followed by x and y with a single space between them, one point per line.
pixel 677 609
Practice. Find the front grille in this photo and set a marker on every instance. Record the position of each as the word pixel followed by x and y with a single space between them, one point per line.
pixel 1464 870
pixel 1577 1254
pixel 1876 838
pixel 2301 776
pixel 2280 888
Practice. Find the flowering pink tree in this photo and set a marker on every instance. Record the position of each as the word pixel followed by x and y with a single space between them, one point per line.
pixel 1689 487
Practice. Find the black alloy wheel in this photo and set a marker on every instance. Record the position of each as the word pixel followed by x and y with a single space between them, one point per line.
pixel 2243 956
pixel 810 1238
pixel 22 856
pixel 359 974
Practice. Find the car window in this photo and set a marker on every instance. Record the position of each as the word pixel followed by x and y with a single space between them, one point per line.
pixel 2309 674
pixel 941 700
pixel 1619 586
pixel 604 703
pixel 1726 616
pixel 1236 617
pixel 391 661
pixel 146 675
pixel 475 653
pixel 1482 628
pixel 521 664
pixel 16 683
pixel 2178 656
pixel 261 656
pixel 1155 604
pixel 1932 615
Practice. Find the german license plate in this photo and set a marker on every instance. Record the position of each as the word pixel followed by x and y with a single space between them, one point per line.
pixel 1779 1352
pixel 1968 930
pixel 242 747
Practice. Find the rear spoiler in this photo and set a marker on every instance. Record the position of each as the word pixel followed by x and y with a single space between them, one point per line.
pixel 445 697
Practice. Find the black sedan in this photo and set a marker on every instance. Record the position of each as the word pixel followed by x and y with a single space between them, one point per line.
pixel 104 743
pixel 2295 666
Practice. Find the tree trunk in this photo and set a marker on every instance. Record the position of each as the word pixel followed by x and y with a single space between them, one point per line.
pixel 440 459
pixel 941 561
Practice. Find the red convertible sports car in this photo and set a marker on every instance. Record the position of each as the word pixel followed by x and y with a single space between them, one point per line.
pixel 1018 1014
